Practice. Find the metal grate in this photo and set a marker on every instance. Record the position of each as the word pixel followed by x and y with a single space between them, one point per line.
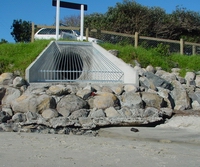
pixel 76 62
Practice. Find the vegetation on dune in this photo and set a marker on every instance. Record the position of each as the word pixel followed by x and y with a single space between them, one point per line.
pixel 17 57
pixel 156 57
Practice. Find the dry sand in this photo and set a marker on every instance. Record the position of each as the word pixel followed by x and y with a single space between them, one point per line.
pixel 114 147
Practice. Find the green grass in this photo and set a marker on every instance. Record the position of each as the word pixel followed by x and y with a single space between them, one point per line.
pixel 186 63
pixel 17 57
pixel 156 57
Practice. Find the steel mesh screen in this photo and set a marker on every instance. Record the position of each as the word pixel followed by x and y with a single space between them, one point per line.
pixel 77 62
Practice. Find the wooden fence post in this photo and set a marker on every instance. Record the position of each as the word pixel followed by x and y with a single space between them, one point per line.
pixel 87 33
pixel 32 32
pixel 181 46
pixel 136 39
pixel 193 49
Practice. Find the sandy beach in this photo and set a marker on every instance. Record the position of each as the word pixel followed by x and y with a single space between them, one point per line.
pixel 114 146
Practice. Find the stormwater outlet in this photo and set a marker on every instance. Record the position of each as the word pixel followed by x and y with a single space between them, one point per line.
pixel 79 62
pixel 69 64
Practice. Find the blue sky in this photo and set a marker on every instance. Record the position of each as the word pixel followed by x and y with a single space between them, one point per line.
pixel 42 12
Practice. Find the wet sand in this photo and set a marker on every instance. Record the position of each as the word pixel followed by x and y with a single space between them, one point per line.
pixel 113 147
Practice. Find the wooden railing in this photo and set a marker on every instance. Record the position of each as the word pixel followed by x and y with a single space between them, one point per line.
pixel 136 37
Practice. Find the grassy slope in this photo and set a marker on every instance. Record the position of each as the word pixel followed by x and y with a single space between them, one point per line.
pixel 156 59
pixel 17 57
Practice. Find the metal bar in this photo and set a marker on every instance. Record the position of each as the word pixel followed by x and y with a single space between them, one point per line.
pixel 57 18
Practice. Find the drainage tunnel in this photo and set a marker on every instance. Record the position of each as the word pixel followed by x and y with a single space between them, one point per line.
pixel 68 64
pixel 73 62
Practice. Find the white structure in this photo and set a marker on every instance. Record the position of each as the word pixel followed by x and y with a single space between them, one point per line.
pixel 79 62
pixel 57 18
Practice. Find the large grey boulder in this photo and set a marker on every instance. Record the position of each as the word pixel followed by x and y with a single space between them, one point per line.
pixel 197 81
pixel 106 89
pixel 117 89
pixel 104 100
pixel 181 80
pixel 6 78
pixel 195 105
pixel 97 113
pixel 10 95
pixel 150 68
pixel 146 83
pixel 158 81
pixel 151 112
pixel 18 82
pixel 19 117
pixel 4 117
pixel 84 93
pixel 152 100
pixel 190 78
pixel 132 100
pixel 167 112
pixel 160 72
pixel 8 111
pixel 169 77
pixel 58 90
pixel 24 103
pixel 111 112
pixel 180 96
pixel 129 88
pixel 195 96
pixel 165 94
pixel 69 104
pixel 139 70
pixel 33 103
pixel 79 113
pixel 72 89
pixel 50 113
pixel 31 116
pixel 137 112
pixel 45 102
pixel 126 112
pixel 176 70
pixel 34 118
pixel 96 87
pixel 151 115
pixel 2 93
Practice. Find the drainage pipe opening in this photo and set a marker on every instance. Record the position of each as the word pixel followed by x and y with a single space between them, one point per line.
pixel 69 66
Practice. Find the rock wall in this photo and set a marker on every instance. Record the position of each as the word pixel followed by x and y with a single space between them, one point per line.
pixel 81 108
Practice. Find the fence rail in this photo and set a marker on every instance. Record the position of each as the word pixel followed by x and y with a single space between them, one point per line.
pixel 175 46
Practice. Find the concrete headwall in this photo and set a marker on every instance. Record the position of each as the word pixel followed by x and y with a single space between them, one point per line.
pixel 33 72
pixel 130 75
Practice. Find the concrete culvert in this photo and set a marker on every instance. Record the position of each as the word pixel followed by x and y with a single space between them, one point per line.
pixel 79 62
pixel 69 65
